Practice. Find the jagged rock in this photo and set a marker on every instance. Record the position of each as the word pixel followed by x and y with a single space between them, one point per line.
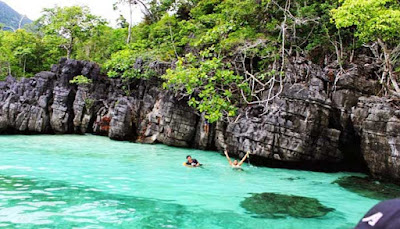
pixel 121 125
pixel 24 104
pixel 295 128
pixel 317 120
pixel 220 129
pixel 354 81
pixel 377 122
pixel 82 107
pixel 62 110
pixel 101 126
pixel 204 137
pixel 171 122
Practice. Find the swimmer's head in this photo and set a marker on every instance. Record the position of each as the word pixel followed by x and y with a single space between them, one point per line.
pixel 235 162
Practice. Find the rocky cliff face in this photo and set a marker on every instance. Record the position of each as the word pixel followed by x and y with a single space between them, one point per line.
pixel 377 121
pixel 316 122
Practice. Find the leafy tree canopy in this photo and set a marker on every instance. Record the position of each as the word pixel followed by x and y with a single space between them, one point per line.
pixel 74 24
pixel 373 18
pixel 224 53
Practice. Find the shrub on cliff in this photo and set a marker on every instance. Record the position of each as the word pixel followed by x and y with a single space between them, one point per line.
pixel 211 86
pixel 375 21
pixel 81 80
pixel 237 49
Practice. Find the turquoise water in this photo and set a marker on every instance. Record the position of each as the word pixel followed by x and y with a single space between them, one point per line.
pixel 92 182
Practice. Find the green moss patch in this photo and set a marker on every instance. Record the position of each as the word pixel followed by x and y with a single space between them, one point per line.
pixel 367 187
pixel 273 205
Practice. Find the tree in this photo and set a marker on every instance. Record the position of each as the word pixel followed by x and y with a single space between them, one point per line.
pixel 103 42
pixel 130 23
pixel 209 85
pixel 25 49
pixel 73 24
pixel 239 50
pixel 122 22
pixel 375 21
pixel 51 52
pixel 20 53
pixel 5 62
pixel 143 6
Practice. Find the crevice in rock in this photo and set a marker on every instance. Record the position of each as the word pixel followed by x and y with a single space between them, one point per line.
pixel 350 145
pixel 70 111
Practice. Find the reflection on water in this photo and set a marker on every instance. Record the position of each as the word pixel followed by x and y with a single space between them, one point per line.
pixel 93 182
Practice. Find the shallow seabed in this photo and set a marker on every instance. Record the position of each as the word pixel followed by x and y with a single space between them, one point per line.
pixel 89 181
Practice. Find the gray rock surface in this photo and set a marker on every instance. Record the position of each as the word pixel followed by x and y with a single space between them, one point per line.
pixel 295 128
pixel 171 122
pixel 377 121
pixel 315 123
pixel 24 104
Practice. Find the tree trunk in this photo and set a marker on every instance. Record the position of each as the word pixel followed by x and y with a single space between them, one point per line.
pixel 388 69
pixel 130 23
pixel 20 22
pixel 148 12
pixel 69 48
pixel 24 66
pixel 9 68
pixel 68 53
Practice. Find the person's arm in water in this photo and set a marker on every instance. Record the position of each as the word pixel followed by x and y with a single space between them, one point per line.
pixel 227 157
pixel 244 158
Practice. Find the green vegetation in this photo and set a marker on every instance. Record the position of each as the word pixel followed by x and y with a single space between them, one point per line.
pixel 89 103
pixel 61 32
pixel 210 85
pixel 375 20
pixel 226 54
pixel 273 205
pixel 81 80
pixel 21 53
pixel 369 188
pixel 71 24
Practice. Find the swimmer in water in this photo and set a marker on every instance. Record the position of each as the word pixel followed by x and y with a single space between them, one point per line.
pixel 235 164
pixel 191 162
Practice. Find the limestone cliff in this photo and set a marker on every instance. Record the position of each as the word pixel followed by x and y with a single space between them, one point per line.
pixel 315 123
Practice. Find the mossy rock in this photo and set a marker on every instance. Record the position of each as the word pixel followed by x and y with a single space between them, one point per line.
pixel 369 188
pixel 273 205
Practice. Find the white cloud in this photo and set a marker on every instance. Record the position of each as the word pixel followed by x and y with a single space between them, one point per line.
pixel 33 9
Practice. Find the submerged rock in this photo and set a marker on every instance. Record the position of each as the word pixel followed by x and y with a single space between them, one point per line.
pixel 292 178
pixel 367 187
pixel 273 205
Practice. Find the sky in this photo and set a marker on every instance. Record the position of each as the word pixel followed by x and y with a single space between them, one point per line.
pixel 103 8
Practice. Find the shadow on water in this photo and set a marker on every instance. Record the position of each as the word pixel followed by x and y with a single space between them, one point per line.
pixel 369 188
pixel 273 205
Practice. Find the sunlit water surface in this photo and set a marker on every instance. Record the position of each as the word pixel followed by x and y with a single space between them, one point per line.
pixel 88 181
